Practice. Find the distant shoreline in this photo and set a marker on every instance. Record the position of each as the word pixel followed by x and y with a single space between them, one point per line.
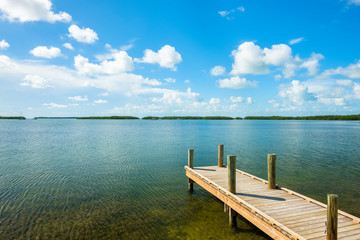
pixel 319 117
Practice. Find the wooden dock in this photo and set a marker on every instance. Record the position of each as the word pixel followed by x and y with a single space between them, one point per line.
pixel 279 212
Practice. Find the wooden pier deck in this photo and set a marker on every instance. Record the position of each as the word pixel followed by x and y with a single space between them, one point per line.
pixel 280 212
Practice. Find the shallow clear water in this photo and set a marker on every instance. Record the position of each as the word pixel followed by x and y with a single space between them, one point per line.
pixel 124 179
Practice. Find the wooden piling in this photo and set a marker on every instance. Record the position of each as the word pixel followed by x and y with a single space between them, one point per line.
pixel 271 158
pixel 221 155
pixel 332 217
pixel 191 165
pixel 231 164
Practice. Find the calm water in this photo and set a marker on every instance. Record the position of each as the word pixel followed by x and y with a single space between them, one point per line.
pixel 124 179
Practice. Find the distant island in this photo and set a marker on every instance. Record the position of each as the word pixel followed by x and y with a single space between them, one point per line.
pixel 14 117
pixel 320 117
pixel 190 118
pixel 110 117
pixel 36 118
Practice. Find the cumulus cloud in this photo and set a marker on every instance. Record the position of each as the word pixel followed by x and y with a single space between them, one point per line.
pixel 35 81
pixel 84 35
pixel 68 46
pixel 356 90
pixel 166 57
pixel 217 70
pixel 31 10
pixel 46 52
pixel 121 62
pixel 236 83
pixel 340 101
pixel 54 105
pixel 297 93
pixel 236 99
pixel 249 100
pixel 296 40
pixel 4 45
pixel 78 98
pixel 249 58
pixel 100 101
pixel 351 71
pixel 214 101
pixel 5 61
pixel 170 80
pixel 66 78
pixel 176 97
pixel 312 63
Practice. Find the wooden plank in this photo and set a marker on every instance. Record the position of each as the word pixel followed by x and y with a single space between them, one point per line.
pixel 311 229
pixel 308 227
pixel 304 216
pixel 288 208
pixel 348 230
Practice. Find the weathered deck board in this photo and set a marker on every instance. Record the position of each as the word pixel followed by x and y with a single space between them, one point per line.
pixel 280 212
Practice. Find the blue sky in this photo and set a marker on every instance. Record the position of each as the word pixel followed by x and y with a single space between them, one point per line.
pixel 234 58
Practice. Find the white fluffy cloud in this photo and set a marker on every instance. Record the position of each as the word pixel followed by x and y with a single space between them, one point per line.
pixel 78 98
pixel 236 99
pixel 166 57
pixel 218 70
pixel 251 59
pixel 66 78
pixel 99 101
pixel 236 83
pixel 297 93
pixel 351 71
pixel 68 46
pixel 121 62
pixel 248 59
pixel 5 61
pixel 4 45
pixel 46 52
pixel 312 63
pixel 241 100
pixel 171 97
pixel 31 10
pixel 84 35
pixel 356 90
pixel 214 101
pixel 35 81
pixel 54 105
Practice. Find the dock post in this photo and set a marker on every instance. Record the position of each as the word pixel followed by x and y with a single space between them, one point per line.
pixel 221 155
pixel 231 162
pixel 271 158
pixel 191 165
pixel 332 217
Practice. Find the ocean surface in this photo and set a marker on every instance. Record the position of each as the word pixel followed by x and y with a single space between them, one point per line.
pixel 125 179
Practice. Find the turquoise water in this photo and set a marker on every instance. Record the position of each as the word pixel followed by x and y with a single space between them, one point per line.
pixel 124 179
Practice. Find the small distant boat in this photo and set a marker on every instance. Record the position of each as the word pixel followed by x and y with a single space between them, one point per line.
pixel 155 119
